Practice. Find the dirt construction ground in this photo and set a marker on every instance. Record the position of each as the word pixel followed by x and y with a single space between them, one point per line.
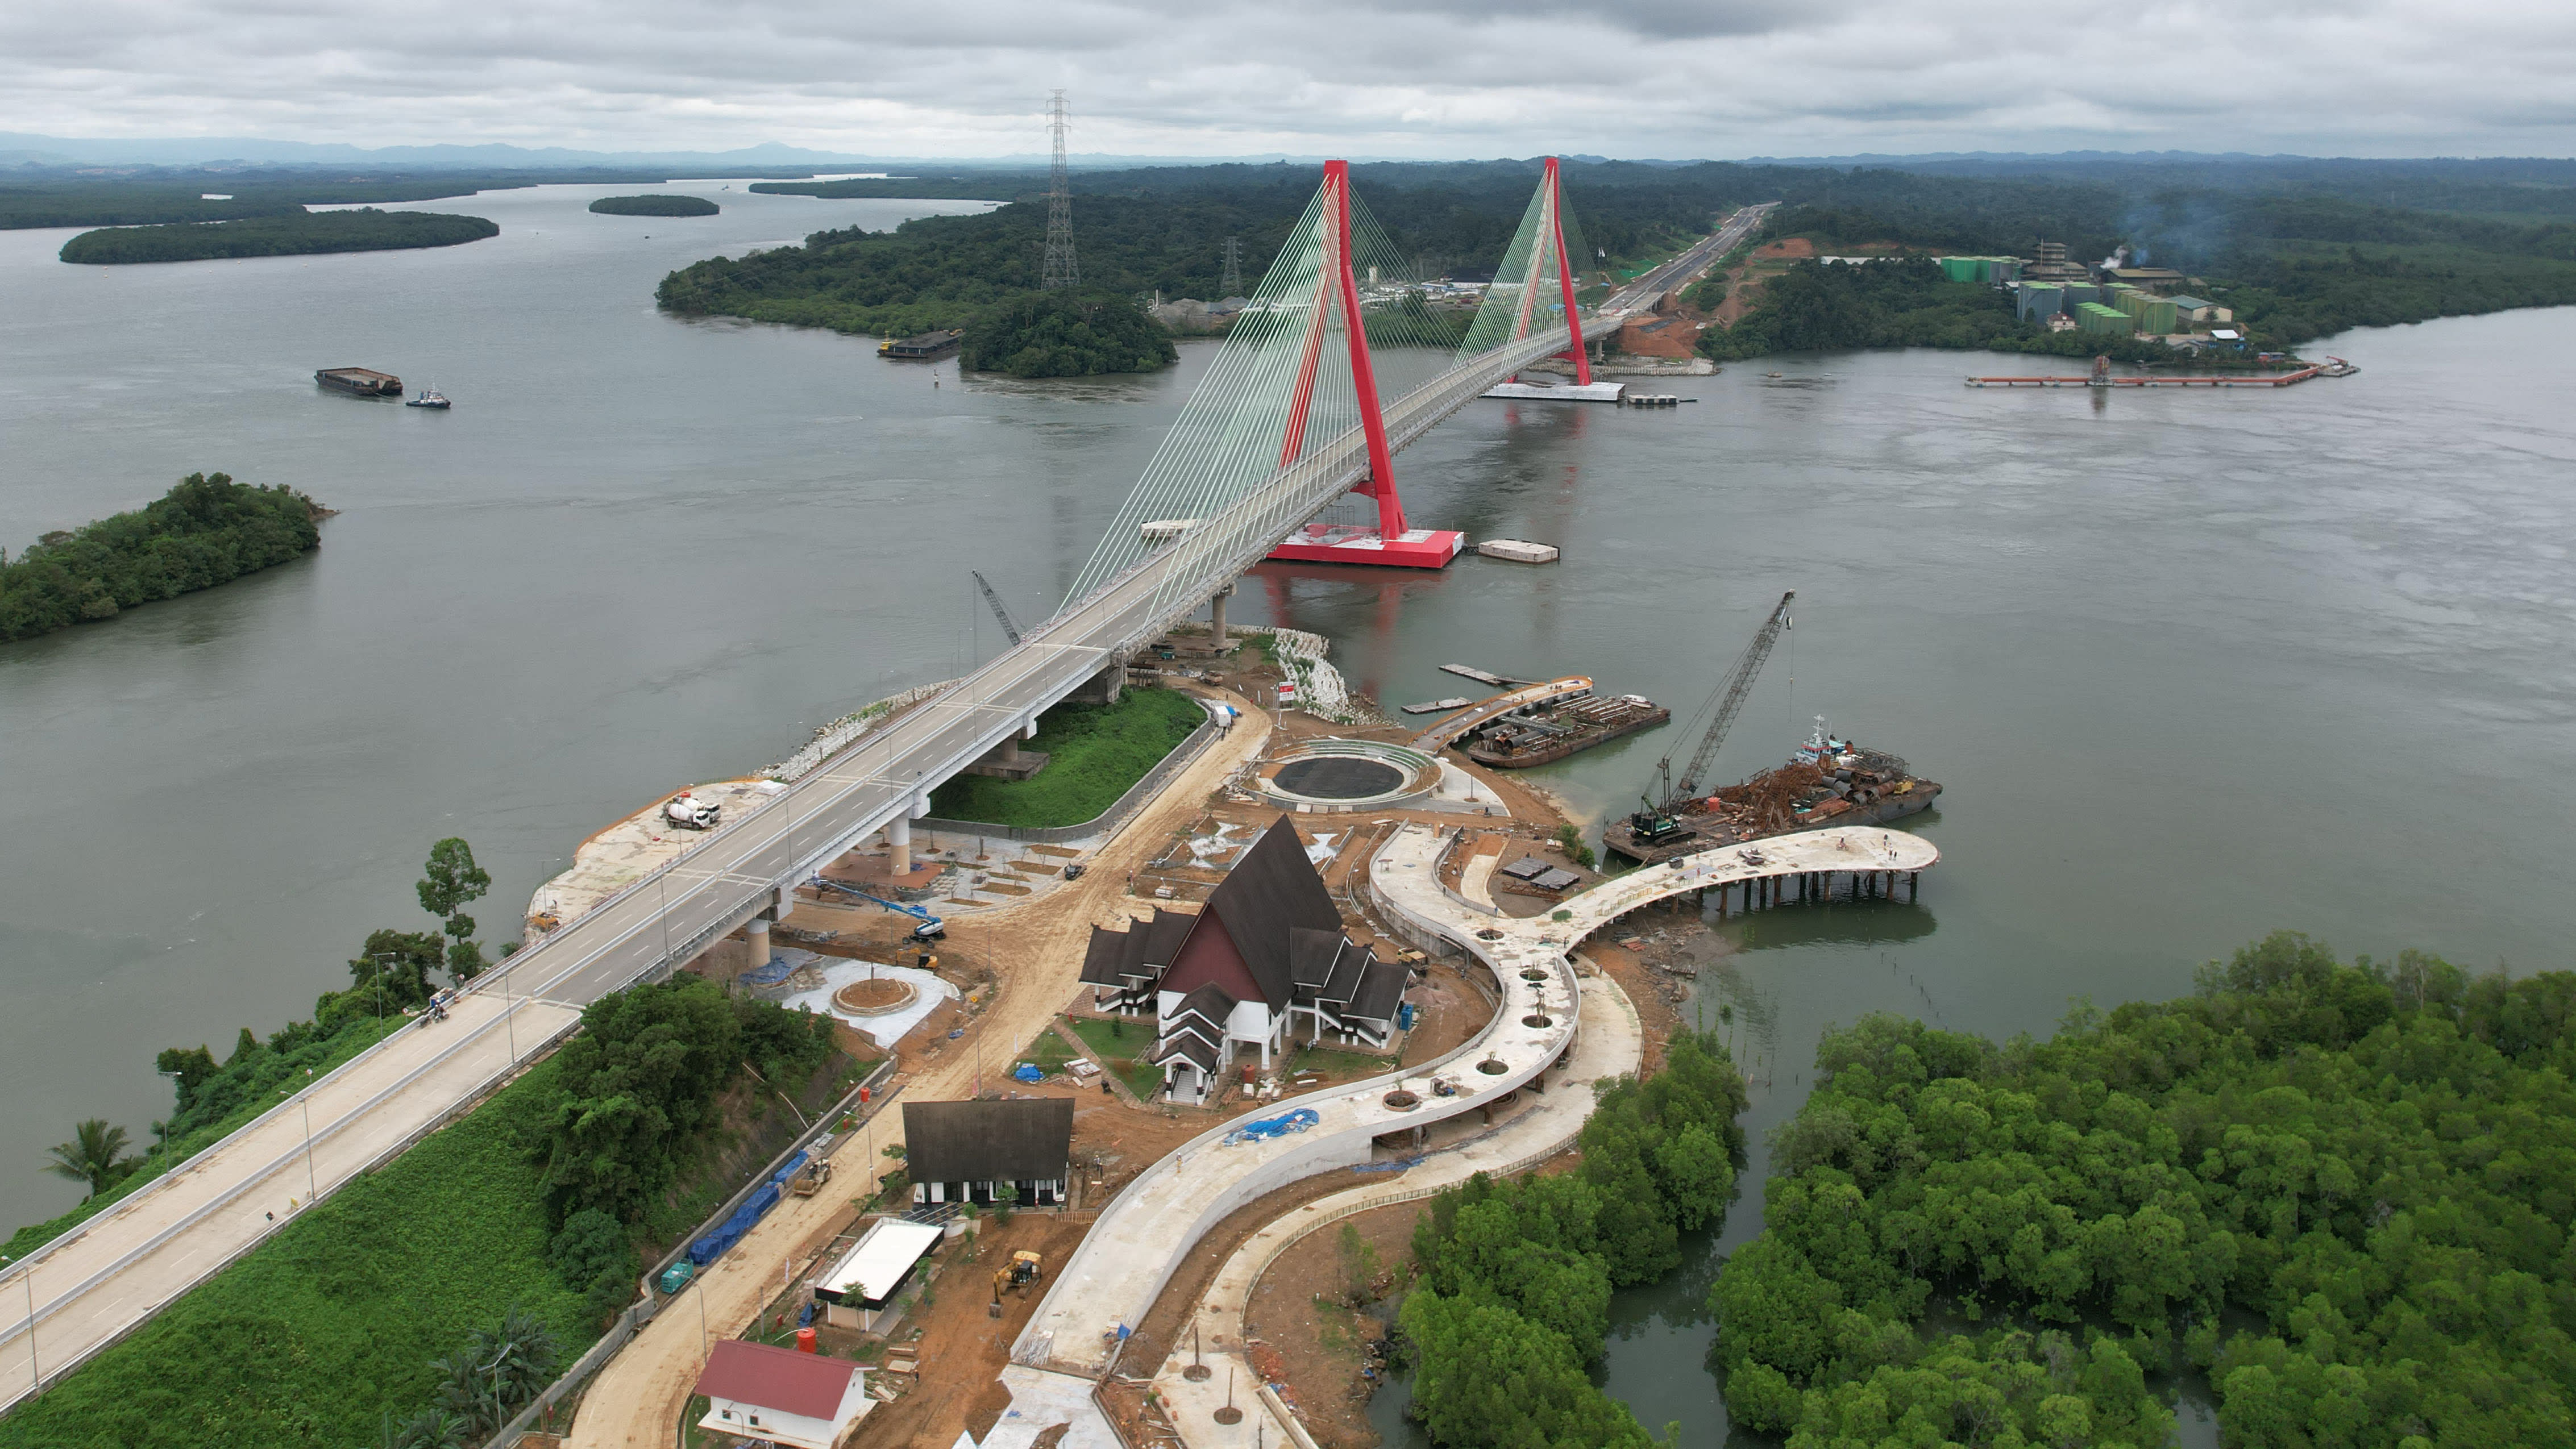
pixel 636 1400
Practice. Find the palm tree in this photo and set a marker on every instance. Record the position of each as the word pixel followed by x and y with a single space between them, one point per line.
pixel 95 1155
pixel 516 1360
pixel 463 1388
pixel 436 1428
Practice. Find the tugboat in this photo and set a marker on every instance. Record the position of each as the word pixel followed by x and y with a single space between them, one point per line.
pixel 430 397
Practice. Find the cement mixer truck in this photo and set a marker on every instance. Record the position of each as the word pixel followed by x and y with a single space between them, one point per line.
pixel 691 813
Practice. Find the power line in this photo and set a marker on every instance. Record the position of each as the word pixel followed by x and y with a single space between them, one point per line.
pixel 1060 271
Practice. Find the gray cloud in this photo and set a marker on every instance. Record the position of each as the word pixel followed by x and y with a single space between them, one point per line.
pixel 1406 77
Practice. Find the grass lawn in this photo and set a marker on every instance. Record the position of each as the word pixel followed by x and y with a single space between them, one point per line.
pixel 1049 1053
pixel 1095 753
pixel 1117 1053
pixel 310 1338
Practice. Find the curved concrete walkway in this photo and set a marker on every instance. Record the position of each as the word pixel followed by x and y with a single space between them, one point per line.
pixel 1140 1239
pixel 1612 1044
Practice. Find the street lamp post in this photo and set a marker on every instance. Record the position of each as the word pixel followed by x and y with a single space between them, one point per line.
pixel 312 1184
pixel 384 963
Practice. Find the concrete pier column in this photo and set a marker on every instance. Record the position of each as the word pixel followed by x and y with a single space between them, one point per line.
pixel 898 834
pixel 756 931
pixel 1216 614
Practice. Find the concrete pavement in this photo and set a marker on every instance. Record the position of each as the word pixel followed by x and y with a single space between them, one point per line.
pixel 1611 1044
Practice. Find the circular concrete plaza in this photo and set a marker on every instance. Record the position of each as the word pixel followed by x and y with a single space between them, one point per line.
pixel 1339 777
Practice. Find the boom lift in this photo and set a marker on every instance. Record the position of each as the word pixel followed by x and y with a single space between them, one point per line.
pixel 931 928
pixel 1658 823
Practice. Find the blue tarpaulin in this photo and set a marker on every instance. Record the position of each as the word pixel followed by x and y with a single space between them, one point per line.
pixel 1028 1073
pixel 716 1244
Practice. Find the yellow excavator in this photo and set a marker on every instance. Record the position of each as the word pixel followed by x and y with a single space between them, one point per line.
pixel 1024 1270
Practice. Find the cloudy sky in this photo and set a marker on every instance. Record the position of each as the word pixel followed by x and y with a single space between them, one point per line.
pixel 1722 78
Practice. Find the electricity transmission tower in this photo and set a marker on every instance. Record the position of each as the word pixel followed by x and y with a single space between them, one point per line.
pixel 1060 270
pixel 1232 285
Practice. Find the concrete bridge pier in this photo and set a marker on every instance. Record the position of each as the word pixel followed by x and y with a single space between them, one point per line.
pixel 1104 687
pixel 1216 615
pixel 898 833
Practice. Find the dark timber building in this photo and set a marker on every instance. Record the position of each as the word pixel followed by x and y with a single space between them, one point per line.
pixel 969 1151
pixel 1265 959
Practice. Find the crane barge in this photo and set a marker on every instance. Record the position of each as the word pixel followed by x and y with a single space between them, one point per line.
pixel 1829 781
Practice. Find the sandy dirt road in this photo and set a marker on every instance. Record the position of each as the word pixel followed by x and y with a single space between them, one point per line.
pixel 636 1401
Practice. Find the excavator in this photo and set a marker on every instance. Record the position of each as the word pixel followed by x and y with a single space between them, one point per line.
pixel 1659 823
pixel 1024 1270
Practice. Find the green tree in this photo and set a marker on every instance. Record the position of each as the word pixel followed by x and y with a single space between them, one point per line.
pixel 398 963
pixel 1575 848
pixel 451 881
pixel 1064 334
pixel 638 1082
pixel 95 1156
pixel 1487 1377
pixel 595 1255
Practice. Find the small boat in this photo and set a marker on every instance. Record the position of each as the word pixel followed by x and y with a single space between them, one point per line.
pixel 430 397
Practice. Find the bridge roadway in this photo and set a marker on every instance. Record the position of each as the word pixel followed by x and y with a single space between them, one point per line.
pixel 97 1282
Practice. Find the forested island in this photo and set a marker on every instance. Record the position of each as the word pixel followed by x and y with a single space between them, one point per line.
pixel 296 234
pixel 52 196
pixel 2343 1193
pixel 655 206
pixel 205 531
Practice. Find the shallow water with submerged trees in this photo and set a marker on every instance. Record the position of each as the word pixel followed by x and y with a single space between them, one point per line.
pixel 2190 666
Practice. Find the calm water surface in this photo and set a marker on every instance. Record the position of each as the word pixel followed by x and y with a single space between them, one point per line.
pixel 2193 666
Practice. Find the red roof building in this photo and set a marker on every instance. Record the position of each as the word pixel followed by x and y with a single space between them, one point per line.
pixel 802 1400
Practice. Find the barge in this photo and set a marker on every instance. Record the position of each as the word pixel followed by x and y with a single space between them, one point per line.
pixel 926 345
pixel 1829 781
pixel 1545 731
pixel 360 381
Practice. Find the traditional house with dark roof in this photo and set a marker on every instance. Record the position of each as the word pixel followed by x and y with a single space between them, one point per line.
pixel 1265 960
pixel 970 1151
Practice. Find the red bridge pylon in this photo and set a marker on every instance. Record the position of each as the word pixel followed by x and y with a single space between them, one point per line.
pixel 1390 542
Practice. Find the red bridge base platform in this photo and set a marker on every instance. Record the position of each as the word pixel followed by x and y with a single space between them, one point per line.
pixel 1351 543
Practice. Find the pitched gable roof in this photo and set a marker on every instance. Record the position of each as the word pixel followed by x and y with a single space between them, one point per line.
pixel 1137 951
pixel 803 1384
pixel 1013 1140
pixel 1271 891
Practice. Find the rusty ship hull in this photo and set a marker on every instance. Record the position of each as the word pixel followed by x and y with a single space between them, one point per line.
pixel 1518 742
pixel 1818 788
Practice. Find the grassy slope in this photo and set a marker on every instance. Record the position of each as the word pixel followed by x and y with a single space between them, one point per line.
pixel 1096 753
pixel 308 1339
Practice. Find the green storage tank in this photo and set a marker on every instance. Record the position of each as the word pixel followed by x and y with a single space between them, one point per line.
pixel 1959 269
pixel 2157 318
pixel 2094 317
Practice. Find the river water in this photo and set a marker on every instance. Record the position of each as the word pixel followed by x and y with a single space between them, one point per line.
pixel 2192 666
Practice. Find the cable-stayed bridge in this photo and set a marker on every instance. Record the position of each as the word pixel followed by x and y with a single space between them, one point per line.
pixel 1287 421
